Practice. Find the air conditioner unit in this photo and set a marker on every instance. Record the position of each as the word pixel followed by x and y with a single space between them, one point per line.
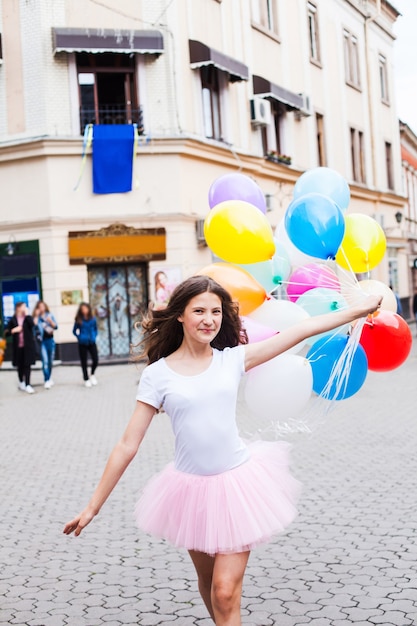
pixel 260 112
pixel 199 229
pixel 306 108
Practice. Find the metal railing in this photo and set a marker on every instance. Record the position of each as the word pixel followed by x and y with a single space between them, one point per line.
pixel 112 114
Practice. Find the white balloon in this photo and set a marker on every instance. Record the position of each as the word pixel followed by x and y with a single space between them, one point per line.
pixel 295 255
pixel 280 315
pixel 279 389
pixel 378 288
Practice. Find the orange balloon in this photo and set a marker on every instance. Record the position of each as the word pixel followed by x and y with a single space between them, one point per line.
pixel 243 288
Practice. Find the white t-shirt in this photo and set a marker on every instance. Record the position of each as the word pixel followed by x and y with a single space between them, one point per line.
pixel 202 410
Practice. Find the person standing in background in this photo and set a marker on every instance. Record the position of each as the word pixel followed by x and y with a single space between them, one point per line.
pixel 85 330
pixel 415 308
pixel 21 329
pixel 47 324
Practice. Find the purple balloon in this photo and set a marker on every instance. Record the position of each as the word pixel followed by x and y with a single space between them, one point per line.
pixel 236 187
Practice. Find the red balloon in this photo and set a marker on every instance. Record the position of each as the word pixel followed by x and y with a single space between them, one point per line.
pixel 386 339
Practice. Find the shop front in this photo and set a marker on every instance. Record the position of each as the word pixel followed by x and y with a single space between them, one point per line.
pixel 20 278
pixel 116 259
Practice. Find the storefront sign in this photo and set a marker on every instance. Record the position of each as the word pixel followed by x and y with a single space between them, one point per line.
pixel 116 244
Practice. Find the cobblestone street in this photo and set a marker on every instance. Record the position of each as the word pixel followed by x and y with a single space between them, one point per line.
pixel 350 557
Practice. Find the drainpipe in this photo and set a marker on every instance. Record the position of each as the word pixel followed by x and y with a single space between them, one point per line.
pixel 368 21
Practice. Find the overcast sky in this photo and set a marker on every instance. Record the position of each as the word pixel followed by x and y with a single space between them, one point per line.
pixel 405 62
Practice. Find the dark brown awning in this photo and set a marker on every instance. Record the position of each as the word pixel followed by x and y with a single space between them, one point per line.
pixel 107 40
pixel 266 89
pixel 201 55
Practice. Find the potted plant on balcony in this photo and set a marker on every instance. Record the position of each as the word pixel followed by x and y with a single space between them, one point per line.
pixel 273 156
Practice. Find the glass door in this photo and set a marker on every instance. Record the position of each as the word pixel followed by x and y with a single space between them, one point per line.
pixel 118 296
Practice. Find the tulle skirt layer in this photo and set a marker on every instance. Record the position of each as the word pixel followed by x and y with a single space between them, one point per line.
pixel 229 512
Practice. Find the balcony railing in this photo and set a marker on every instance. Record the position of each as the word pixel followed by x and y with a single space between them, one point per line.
pixel 112 114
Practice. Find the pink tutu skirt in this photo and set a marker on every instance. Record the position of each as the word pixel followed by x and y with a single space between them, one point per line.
pixel 224 513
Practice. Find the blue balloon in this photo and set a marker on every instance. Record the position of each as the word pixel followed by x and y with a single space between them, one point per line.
pixel 323 355
pixel 315 225
pixel 326 181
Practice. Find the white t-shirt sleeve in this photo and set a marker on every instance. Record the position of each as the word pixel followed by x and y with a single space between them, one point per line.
pixel 236 358
pixel 148 388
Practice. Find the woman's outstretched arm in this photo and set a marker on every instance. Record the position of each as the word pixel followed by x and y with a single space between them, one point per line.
pixel 262 351
pixel 122 454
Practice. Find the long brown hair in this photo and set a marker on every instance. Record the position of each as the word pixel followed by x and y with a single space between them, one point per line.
pixel 37 305
pixel 163 333
pixel 79 318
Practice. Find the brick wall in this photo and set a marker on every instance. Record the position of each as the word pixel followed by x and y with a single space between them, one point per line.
pixel 3 109
pixel 45 75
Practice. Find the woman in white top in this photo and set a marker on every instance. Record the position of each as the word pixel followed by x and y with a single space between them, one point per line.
pixel 220 497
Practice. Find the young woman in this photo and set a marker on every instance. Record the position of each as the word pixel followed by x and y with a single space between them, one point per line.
pixel 162 291
pixel 85 329
pixel 47 325
pixel 220 498
pixel 21 329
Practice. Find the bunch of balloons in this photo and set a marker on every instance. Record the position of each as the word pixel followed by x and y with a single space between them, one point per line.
pixel 308 267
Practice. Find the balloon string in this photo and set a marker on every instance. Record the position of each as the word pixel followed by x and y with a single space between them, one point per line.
pixel 341 249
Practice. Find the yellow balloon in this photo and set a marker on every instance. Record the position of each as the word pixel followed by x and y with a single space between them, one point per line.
pixel 372 288
pixel 363 245
pixel 243 288
pixel 238 232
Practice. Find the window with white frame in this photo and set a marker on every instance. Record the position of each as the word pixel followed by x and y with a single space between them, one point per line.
pixel 313 32
pixel 393 268
pixel 357 155
pixel 383 78
pixel 272 135
pixel 321 148
pixel 264 13
pixel 351 54
pixel 210 86
pixel 389 165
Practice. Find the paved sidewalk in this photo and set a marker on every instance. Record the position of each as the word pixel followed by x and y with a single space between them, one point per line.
pixel 350 557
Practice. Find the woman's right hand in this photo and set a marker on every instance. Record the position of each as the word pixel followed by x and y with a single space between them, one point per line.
pixel 80 522
pixel 16 329
pixel 370 305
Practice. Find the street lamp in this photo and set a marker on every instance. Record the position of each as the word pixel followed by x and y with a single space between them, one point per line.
pixel 399 217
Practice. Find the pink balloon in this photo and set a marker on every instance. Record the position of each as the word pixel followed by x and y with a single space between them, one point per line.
pixel 311 276
pixel 256 331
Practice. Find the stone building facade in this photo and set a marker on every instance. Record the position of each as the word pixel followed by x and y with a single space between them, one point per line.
pixel 266 87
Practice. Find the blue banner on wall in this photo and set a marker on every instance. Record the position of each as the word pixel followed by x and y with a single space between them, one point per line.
pixel 113 152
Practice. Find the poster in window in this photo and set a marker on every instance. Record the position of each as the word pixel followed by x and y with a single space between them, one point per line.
pixel 163 282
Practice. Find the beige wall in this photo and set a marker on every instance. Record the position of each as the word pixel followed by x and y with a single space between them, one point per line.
pixel 174 178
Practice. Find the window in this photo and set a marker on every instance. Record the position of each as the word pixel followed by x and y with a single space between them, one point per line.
pixel 393 268
pixel 321 152
pixel 107 89
pixel 388 161
pixel 211 102
pixel 351 52
pixel 313 32
pixel 264 13
pixel 383 78
pixel 357 155
pixel 272 134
